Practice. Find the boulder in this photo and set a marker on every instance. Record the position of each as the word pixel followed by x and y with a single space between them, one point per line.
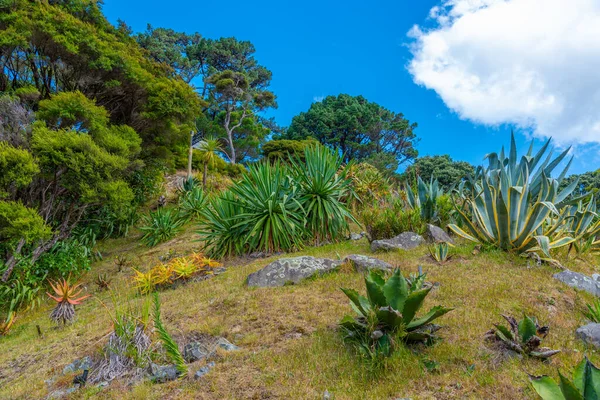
pixel 404 241
pixel 435 234
pixel 590 334
pixel 291 270
pixel 163 373
pixel 195 351
pixel 365 263
pixel 579 281
pixel 357 236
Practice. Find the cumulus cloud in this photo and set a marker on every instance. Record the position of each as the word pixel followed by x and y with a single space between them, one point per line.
pixel 531 63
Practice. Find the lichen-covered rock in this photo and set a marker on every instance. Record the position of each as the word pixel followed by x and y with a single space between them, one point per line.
pixel 357 236
pixel 195 351
pixel 363 263
pixel 404 241
pixel 435 234
pixel 163 373
pixel 204 370
pixel 78 365
pixel 590 334
pixel 291 270
pixel 579 281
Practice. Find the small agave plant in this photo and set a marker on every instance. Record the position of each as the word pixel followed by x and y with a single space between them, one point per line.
pixel 387 316
pixel 66 299
pixel 524 337
pixel 440 252
pixel 585 384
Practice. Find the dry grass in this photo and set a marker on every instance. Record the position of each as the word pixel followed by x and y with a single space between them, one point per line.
pixel 290 347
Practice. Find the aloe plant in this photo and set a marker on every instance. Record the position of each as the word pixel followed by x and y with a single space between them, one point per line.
pixel 426 200
pixel 585 384
pixel 524 337
pixel 387 316
pixel 515 206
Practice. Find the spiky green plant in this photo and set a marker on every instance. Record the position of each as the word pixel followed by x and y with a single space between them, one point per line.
pixel 160 225
pixel 592 311
pixel 584 386
pixel 323 186
pixel 583 224
pixel 209 149
pixel 523 337
pixel 192 202
pixel 426 200
pixel 220 228
pixel 169 344
pixel 386 317
pixel 514 206
pixel 440 252
pixel 188 184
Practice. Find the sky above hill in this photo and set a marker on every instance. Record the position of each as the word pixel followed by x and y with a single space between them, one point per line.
pixel 467 71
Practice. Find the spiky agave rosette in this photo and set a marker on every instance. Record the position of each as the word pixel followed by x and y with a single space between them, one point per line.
pixel 66 299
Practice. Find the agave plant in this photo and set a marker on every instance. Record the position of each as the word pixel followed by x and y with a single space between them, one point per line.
pixel 160 225
pixel 585 384
pixel 103 281
pixel 387 316
pixel 511 205
pixel 440 252
pixel 192 202
pixel 323 186
pixel 66 300
pixel 427 197
pixel 583 224
pixel 523 337
pixel 188 184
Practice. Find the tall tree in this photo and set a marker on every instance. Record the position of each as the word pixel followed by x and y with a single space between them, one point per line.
pixel 358 128
pixel 442 168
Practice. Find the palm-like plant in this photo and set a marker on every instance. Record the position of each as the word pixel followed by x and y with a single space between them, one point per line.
pixel 323 185
pixel 66 299
pixel 160 225
pixel 514 206
pixel 387 315
pixel 209 149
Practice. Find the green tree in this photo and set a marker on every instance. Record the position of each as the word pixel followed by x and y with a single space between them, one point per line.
pixel 209 149
pixel 284 149
pixel 358 128
pixel 588 182
pixel 442 168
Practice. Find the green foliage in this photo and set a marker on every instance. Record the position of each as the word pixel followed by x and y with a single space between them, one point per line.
pixel 168 343
pixel 511 205
pixel 323 184
pixel 368 184
pixel 358 128
pixel 442 168
pixel 160 225
pixel 220 227
pixel 285 150
pixel 20 222
pixel 192 203
pixel 426 200
pixel 390 219
pixel 582 223
pixel 18 169
pixel 66 258
pixel 592 311
pixel 585 384
pixel 523 337
pixel 440 252
pixel 387 316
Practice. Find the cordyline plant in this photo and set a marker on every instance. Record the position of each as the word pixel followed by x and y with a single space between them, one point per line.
pixel 584 386
pixel 524 337
pixel 515 206
pixel 66 299
pixel 387 316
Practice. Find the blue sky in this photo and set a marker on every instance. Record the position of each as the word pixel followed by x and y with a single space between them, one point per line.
pixel 319 48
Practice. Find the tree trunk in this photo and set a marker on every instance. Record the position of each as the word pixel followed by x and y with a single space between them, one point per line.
pixel 12 260
pixel 189 171
pixel 231 146
pixel 204 175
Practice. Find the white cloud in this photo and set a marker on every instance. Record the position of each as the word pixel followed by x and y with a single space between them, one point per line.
pixel 532 63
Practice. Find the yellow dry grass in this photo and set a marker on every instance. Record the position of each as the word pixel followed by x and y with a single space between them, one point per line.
pixel 290 346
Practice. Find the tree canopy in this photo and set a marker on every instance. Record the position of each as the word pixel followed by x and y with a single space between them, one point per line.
pixel 442 168
pixel 360 129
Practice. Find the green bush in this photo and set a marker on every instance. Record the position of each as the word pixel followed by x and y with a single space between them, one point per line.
pixel 388 220
pixel 160 225
pixel 192 203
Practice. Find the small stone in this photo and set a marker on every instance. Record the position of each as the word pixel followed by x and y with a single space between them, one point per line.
pixel 163 373
pixel 357 236
pixel 78 365
pixel 404 241
pixel 227 345
pixel 365 263
pixel 326 395
pixel 103 384
pixel 195 351
pixel 204 370
pixel 590 334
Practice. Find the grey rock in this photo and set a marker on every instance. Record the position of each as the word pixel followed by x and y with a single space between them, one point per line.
pixel 78 365
pixel 326 395
pixel 204 370
pixel 195 351
pixel 404 241
pixel 357 236
pixel 435 234
pixel 579 281
pixel 227 345
pixel 163 373
pixel 291 270
pixel 365 263
pixel 590 334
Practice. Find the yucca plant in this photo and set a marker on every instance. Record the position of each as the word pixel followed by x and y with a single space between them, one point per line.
pixel 323 186
pixel 592 311
pixel 160 225
pixel 585 384
pixel 103 281
pixel 427 198
pixel 523 337
pixel 514 206
pixel 220 227
pixel 387 316
pixel 440 252
pixel 66 299
pixel 169 344
pixel 192 202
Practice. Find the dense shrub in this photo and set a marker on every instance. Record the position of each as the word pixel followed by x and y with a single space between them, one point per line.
pixel 160 225
pixel 390 219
